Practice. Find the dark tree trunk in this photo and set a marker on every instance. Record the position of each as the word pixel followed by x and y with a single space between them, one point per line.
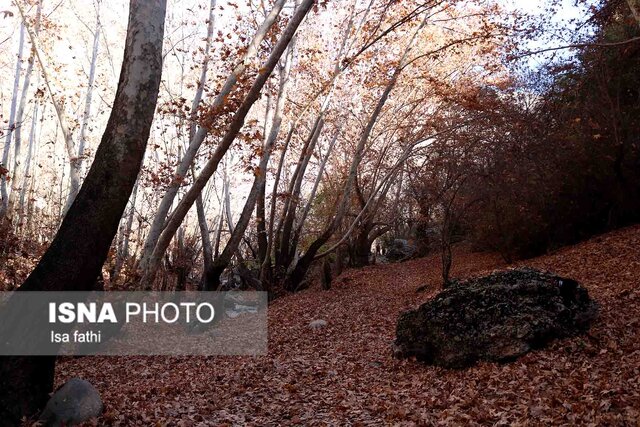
pixel 79 249
pixel 261 227
pixel 294 279
pixel 339 265
pixel 326 275
pixel 182 275
pixel 212 276
pixel 362 249
pixel 447 257
pixel 26 383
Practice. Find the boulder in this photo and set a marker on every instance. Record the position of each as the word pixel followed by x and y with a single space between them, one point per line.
pixel 75 402
pixel 400 250
pixel 494 318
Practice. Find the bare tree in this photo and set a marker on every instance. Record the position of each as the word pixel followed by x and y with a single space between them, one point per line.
pixel 301 266
pixel 236 124
pixel 160 218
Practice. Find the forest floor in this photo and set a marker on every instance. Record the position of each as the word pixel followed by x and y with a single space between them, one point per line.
pixel 344 374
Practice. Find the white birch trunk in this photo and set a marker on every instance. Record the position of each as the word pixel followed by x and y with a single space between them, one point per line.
pixel 207 250
pixel 82 140
pixel 74 178
pixel 4 174
pixel 26 177
pixel 17 145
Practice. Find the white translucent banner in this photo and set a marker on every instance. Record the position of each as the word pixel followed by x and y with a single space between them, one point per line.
pixel 133 323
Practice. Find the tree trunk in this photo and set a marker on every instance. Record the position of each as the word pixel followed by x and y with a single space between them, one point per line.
pixel 79 249
pixel 362 249
pixel 264 237
pixel 261 229
pixel 74 177
pixel 123 253
pixel 266 273
pixel 207 248
pixel 223 202
pixel 326 275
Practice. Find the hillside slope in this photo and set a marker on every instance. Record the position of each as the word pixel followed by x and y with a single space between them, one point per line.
pixel 344 374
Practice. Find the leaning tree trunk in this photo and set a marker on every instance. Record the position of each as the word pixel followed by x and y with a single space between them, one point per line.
pixel 75 257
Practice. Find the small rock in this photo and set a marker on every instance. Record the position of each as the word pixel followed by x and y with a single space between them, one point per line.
pixel 318 324
pixel 75 402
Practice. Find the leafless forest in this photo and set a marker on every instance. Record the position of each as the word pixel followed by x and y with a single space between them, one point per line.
pixel 339 155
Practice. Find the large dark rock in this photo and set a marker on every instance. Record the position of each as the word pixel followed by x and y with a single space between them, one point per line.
pixel 400 250
pixel 494 318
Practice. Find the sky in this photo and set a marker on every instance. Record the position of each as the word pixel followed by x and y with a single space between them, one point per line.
pixel 564 13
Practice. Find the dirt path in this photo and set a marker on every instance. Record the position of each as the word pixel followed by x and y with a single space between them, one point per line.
pixel 344 374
